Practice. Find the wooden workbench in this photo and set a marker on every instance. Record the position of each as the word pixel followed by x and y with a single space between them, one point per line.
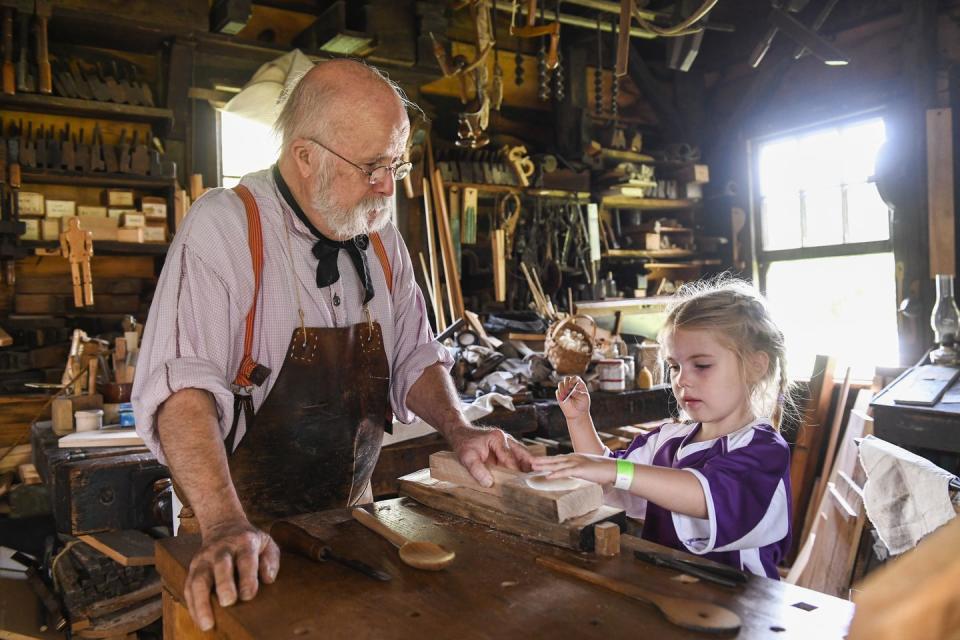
pixel 494 589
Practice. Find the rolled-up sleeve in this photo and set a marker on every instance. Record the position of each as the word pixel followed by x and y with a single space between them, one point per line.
pixel 187 342
pixel 414 347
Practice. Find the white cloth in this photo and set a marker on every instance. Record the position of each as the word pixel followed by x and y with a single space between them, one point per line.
pixel 482 406
pixel 259 100
pixel 906 497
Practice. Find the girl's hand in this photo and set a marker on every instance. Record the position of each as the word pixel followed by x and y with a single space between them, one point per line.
pixel 575 465
pixel 573 397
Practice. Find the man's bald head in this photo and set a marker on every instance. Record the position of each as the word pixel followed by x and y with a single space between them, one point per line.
pixel 338 95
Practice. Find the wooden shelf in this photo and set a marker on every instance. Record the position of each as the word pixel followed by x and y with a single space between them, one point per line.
pixel 623 155
pixel 49 176
pixel 532 191
pixel 628 202
pixel 692 264
pixel 641 253
pixel 90 108
pixel 628 306
pixel 107 247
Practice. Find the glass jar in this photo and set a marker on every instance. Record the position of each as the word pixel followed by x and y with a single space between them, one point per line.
pixel 612 372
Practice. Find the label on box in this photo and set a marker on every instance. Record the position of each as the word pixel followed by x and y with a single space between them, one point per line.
pixel 154 209
pixel 31 229
pixel 50 229
pixel 129 220
pixel 30 204
pixel 61 208
pixel 117 213
pixel 119 198
pixel 87 210
pixel 154 234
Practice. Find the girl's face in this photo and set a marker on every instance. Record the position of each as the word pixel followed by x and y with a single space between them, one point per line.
pixel 707 381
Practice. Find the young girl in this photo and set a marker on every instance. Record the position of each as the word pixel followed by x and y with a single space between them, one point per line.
pixel 717 484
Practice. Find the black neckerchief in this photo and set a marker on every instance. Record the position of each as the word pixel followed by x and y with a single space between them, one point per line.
pixel 326 251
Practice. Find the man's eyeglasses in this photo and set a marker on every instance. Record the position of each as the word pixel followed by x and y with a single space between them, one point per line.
pixel 400 170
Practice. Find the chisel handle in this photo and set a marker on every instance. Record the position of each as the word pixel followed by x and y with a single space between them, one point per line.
pixel 290 537
pixel 9 71
pixel 44 79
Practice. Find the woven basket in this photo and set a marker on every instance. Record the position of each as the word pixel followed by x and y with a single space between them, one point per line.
pixel 568 361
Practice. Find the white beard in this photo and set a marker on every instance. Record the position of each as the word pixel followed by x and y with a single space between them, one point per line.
pixel 347 223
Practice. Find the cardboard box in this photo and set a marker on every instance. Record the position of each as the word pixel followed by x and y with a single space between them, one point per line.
pixel 30 204
pixel 118 213
pixel 131 220
pixel 85 210
pixel 118 198
pixel 101 228
pixel 32 230
pixel 154 207
pixel 152 233
pixel 61 208
pixel 50 229
pixel 130 235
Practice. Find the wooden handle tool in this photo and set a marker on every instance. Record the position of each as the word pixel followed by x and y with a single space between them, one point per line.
pixel 297 540
pixel 683 612
pixel 44 77
pixel 419 555
pixel 9 71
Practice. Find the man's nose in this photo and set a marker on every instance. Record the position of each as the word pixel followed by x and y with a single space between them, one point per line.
pixel 386 185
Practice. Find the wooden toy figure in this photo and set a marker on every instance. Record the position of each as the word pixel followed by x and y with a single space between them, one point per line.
pixel 76 245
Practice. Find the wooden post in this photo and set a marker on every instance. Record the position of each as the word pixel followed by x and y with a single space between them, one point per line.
pixel 940 201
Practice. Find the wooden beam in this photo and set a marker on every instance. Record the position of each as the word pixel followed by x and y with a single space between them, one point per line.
pixel 940 192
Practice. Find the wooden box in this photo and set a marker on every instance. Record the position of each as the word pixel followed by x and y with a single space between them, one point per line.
pixel 97 490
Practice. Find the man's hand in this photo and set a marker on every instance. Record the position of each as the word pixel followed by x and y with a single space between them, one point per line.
pixel 478 446
pixel 233 553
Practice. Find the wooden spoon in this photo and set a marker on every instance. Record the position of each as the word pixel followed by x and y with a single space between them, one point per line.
pixel 419 555
pixel 688 613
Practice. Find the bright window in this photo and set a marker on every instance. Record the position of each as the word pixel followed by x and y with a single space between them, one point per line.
pixel 825 256
pixel 245 146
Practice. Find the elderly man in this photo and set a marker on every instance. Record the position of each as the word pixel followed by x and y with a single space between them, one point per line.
pixel 294 287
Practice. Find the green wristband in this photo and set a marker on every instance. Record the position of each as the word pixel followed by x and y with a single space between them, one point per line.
pixel 624 474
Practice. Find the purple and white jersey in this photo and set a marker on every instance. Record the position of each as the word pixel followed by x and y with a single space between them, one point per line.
pixel 745 477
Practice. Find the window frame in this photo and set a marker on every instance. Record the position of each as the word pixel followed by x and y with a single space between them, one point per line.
pixel 763 258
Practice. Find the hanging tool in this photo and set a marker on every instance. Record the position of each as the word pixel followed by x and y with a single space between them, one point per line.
pixel 290 537
pixel 67 82
pixel 124 153
pixel 83 154
pixel 143 87
pixel 114 90
pixel 532 30
pixel 598 73
pixel 131 93
pixel 9 71
pixel 28 148
pixel 44 79
pixel 615 81
pixel 25 82
pixel 96 150
pixel 623 41
pixel 68 156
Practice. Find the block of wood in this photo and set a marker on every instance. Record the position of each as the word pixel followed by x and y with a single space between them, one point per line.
pixel 131 548
pixel 491 510
pixel 121 437
pixel 518 496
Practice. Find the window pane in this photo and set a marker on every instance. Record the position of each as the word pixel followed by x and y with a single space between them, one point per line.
pixel 861 143
pixel 819 162
pixel 824 217
pixel 246 145
pixel 781 222
pixel 777 163
pixel 231 181
pixel 867 215
pixel 844 307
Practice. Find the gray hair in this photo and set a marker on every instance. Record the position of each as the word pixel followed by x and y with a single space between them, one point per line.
pixel 302 101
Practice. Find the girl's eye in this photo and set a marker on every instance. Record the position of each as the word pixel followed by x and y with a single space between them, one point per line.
pixel 703 366
pixel 673 368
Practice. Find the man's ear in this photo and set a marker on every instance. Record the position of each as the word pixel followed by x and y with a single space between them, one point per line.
pixel 303 157
pixel 758 364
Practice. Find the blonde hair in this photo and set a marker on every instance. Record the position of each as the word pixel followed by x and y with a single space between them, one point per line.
pixel 738 314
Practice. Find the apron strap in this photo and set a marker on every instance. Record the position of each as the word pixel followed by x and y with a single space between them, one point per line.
pixel 381 252
pixel 250 371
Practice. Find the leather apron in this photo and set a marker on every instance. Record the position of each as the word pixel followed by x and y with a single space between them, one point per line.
pixel 313 443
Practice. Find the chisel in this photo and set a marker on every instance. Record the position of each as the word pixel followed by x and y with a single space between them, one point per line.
pixel 294 539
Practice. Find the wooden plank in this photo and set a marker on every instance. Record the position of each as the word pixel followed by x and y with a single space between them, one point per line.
pixel 940 196
pixel 832 439
pixel 437 298
pixel 131 548
pixel 803 463
pixel 102 607
pixel 915 595
pixel 489 509
pixel 20 612
pixel 12 457
pixel 123 622
pixel 450 268
pixel 517 496
pixel 120 437
pixel 28 474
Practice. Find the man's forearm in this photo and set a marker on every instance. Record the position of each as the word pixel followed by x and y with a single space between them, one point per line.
pixel 434 399
pixel 190 436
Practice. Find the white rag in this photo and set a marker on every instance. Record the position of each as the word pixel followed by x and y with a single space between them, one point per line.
pixel 906 497
pixel 479 408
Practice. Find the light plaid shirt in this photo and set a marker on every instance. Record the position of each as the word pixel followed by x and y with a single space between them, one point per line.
pixel 193 337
